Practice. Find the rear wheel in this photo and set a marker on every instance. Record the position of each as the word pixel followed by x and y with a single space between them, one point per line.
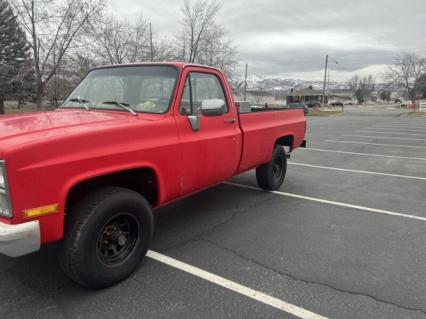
pixel 106 236
pixel 270 176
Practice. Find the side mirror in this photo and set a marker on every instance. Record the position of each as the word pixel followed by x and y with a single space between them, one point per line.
pixel 213 107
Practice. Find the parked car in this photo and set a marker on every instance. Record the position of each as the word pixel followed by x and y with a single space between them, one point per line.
pixel 336 103
pixel 403 102
pixel 312 104
pixel 128 139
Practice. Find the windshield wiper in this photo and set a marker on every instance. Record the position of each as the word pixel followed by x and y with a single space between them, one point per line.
pixel 81 101
pixel 122 105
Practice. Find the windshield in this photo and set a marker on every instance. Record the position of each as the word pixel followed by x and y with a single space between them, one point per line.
pixel 147 89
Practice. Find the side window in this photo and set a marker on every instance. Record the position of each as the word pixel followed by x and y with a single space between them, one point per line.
pixel 199 87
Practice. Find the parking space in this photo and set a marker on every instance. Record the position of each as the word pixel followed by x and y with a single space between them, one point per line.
pixel 327 259
pixel 36 288
pixel 344 237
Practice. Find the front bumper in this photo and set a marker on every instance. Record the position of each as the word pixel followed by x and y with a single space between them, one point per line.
pixel 21 239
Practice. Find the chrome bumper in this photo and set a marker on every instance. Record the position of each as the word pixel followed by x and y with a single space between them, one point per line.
pixel 21 239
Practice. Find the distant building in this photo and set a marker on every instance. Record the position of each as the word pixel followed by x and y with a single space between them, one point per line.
pixel 310 94
pixel 304 95
pixel 341 95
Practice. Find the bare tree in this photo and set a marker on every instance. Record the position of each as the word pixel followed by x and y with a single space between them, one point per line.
pixel 353 82
pixel 368 86
pixel 202 40
pixel 385 95
pixel 74 66
pixel 164 50
pixel 219 53
pixel 198 20
pixel 122 41
pixel 53 26
pixel 406 72
pixel 362 87
pixel 355 86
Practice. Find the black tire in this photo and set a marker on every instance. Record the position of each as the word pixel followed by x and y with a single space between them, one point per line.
pixel 270 176
pixel 107 235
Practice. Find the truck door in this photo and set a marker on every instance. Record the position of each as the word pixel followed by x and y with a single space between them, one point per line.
pixel 211 144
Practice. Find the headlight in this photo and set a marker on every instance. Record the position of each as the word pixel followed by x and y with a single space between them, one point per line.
pixel 5 208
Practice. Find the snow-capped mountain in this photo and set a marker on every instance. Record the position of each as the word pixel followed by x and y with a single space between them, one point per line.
pixel 279 85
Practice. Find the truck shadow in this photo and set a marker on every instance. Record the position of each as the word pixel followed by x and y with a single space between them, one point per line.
pixel 193 216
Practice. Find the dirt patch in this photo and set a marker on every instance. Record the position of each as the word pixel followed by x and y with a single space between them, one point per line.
pixel 417 114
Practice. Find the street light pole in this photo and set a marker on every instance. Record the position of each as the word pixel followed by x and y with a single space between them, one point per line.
pixel 325 80
pixel 328 85
pixel 327 59
pixel 150 42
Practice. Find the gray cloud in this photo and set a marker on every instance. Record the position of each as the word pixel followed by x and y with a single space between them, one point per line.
pixel 287 36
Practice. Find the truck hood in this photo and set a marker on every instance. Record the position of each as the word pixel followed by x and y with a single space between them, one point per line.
pixel 22 129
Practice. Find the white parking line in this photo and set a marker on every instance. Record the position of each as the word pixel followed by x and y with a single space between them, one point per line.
pixel 405 125
pixel 363 154
pixel 357 171
pixel 379 144
pixel 231 285
pixel 398 129
pixel 398 133
pixel 340 204
pixel 387 137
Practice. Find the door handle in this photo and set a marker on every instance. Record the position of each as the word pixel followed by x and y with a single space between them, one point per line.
pixel 230 121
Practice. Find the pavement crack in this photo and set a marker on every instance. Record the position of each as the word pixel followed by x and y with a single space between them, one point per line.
pixel 199 236
pixel 180 244
pixel 313 282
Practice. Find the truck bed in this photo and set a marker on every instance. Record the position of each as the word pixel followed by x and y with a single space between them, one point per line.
pixel 262 129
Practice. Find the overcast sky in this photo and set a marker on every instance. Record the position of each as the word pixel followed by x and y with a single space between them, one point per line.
pixel 290 38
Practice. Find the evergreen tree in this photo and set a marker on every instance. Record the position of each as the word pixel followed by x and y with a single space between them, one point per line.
pixel 15 65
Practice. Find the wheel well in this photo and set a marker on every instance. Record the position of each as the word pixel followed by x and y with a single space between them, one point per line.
pixel 286 141
pixel 143 181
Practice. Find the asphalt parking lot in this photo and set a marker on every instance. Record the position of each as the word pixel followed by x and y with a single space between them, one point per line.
pixel 345 237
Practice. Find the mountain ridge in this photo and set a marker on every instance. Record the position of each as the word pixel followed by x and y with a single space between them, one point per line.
pixel 280 85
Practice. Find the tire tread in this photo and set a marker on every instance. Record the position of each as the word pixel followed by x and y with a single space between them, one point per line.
pixel 264 172
pixel 69 259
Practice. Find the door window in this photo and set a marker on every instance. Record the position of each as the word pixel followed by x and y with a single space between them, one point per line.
pixel 199 87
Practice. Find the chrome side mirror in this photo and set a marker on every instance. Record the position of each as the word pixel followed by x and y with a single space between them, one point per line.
pixel 213 107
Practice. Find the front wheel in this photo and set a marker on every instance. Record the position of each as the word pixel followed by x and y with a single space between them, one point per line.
pixel 106 236
pixel 270 176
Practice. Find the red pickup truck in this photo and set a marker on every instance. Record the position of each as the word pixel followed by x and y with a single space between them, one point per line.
pixel 129 139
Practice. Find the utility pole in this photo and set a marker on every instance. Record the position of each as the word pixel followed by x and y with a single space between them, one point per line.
pixel 55 81
pixel 245 83
pixel 328 86
pixel 150 41
pixel 325 80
